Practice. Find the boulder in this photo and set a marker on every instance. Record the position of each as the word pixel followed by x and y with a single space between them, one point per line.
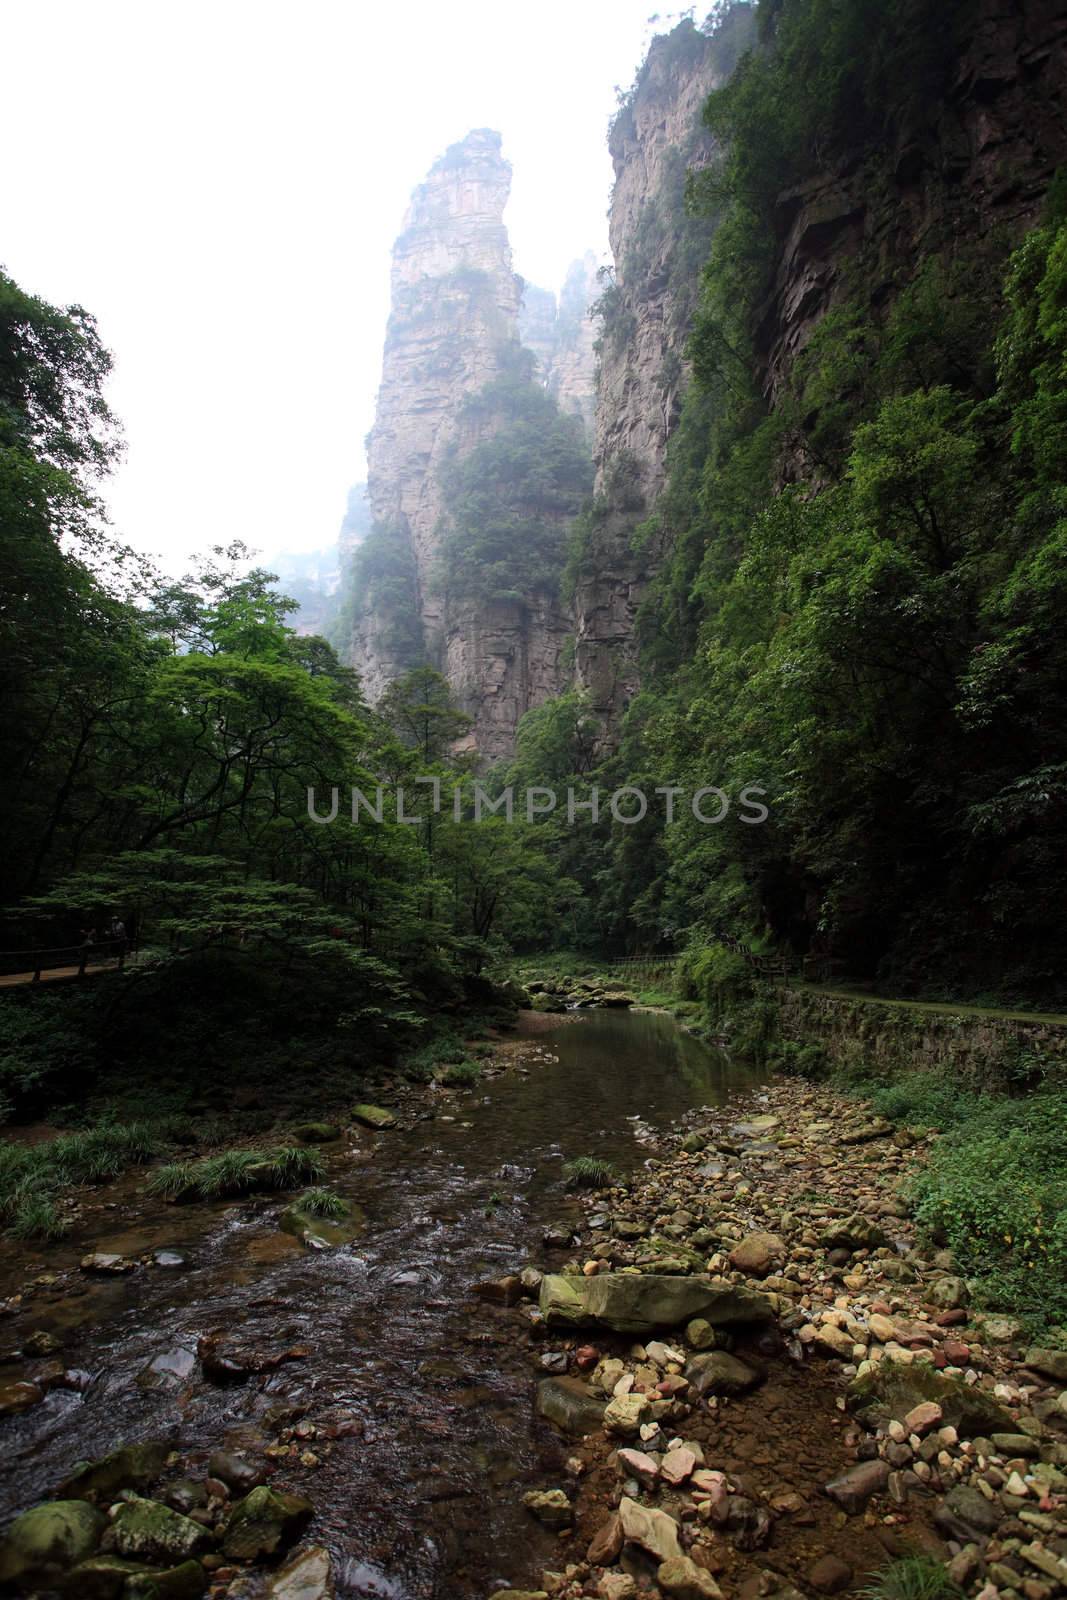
pixel 506 1291
pixel 321 1232
pixel 105 1577
pixel 308 1576
pixel 682 1579
pixel 47 1541
pixel 948 1294
pixel 854 1488
pixel 606 1545
pixel 316 1132
pixel 570 1405
pixel 550 1506
pixel 1050 1363
pixel 235 1471
pixel 264 1523
pixel 103 1261
pixel 19 1396
pixel 625 1415
pixel 147 1530
pixel 373 1116
pixel 719 1373
pixel 890 1390
pixel 653 1531
pixel 965 1512
pixel 131 1466
pixel 757 1253
pixel 635 1303
pixel 855 1233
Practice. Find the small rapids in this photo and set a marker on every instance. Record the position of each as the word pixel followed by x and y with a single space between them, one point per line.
pixel 424 1392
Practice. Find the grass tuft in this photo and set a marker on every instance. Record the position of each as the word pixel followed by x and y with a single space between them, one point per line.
pixel 320 1202
pixel 589 1172
pixel 916 1577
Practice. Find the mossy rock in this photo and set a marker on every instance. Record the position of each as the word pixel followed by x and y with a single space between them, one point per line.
pixel 373 1116
pixel 316 1132
pixel 131 1466
pixel 891 1389
pixel 46 1541
pixel 265 1523
pixel 146 1530
pixel 318 1232
pixel 105 1577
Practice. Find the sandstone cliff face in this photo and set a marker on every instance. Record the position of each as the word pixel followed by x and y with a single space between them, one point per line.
pixel 980 161
pixel 563 338
pixel 454 327
pixel 657 253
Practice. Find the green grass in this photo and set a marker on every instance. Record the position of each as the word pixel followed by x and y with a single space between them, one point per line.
pixel 170 1181
pixel 237 1172
pixel 915 1577
pixel 994 1188
pixel 320 1202
pixel 31 1176
pixel 589 1172
pixel 35 1216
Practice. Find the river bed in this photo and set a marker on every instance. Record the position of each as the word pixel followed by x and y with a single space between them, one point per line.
pixel 415 1399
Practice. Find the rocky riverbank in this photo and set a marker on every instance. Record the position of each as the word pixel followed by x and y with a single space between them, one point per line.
pixel 771 1387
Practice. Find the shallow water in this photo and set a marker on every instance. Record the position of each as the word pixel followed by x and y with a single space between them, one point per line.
pixel 420 1499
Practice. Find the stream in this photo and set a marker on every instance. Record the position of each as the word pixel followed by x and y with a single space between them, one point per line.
pixel 426 1391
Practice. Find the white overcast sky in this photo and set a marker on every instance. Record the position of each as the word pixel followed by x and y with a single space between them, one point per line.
pixel 220 182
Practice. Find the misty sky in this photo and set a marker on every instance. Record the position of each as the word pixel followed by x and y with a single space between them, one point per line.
pixel 220 182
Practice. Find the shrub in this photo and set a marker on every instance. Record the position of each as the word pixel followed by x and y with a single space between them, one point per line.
pixel 463 1072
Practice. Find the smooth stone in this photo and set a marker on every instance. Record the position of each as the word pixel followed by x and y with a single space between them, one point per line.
pixel 646 1303
pixel 654 1531
pixel 682 1579
pixel 235 1471
pixel 48 1540
pixel 855 1487
pixel 308 1576
pixel 570 1405
pixel 720 1373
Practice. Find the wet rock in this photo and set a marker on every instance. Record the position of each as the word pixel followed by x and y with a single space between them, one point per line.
pixel 625 1415
pixel 720 1373
pixel 965 1512
pixel 550 1506
pixel 892 1389
pixel 748 1523
pixel 19 1396
pixel 616 1586
pixel 41 1343
pixel 373 1116
pixel 1050 1363
pixel 556 1361
pixel 225 1359
pixel 102 1261
pixel 131 1466
pixel 168 1258
pixel 500 1291
pixel 606 1545
pixel 682 1579
pixel 570 1405
pixel 48 1540
pixel 855 1233
pixel 531 1280
pixel 757 1253
pixel 105 1577
pixel 646 1303
pixel 321 1233
pixel 317 1132
pixel 653 1531
pixel 854 1488
pixel 183 1582
pixel 169 1369
pixel 264 1523
pixel 150 1531
pixel 235 1471
pixel 185 1495
pixel 308 1576
pixel 830 1575
pixel 700 1335
pixel 557 1236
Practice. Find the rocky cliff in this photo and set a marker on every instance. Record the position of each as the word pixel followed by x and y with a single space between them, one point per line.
pixel 453 337
pixel 656 139
pixel 960 169
pixel 562 335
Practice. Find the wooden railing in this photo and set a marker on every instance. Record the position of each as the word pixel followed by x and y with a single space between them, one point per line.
pixel 75 959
